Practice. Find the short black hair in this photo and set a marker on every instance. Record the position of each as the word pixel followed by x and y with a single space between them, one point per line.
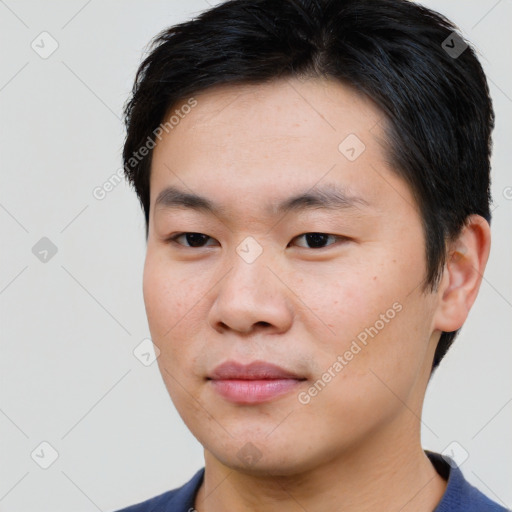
pixel 410 60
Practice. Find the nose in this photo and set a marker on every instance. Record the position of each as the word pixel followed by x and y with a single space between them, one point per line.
pixel 252 296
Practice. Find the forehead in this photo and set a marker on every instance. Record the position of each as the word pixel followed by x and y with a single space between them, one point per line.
pixel 279 111
pixel 267 140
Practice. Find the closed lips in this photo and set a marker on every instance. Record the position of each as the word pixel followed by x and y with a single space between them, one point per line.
pixel 257 370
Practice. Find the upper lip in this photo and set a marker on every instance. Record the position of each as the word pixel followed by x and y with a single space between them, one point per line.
pixel 257 370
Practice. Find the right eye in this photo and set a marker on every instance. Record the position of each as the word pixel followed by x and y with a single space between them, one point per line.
pixel 194 240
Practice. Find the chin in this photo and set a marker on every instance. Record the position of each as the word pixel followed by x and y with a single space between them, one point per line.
pixel 258 456
pixel 274 465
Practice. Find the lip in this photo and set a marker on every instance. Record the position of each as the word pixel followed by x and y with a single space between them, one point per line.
pixel 257 370
pixel 253 383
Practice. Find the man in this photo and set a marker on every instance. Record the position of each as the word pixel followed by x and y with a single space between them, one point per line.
pixel 315 181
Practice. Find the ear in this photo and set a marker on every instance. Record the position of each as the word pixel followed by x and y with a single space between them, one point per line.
pixel 463 272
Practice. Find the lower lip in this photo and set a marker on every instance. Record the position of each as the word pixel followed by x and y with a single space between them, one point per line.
pixel 253 391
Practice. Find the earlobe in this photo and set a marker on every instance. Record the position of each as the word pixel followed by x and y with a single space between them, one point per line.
pixel 463 272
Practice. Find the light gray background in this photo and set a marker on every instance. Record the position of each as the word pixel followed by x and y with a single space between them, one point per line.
pixel 69 326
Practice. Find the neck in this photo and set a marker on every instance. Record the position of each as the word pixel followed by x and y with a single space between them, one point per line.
pixel 389 472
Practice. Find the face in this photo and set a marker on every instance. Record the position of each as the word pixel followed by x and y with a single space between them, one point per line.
pixel 329 292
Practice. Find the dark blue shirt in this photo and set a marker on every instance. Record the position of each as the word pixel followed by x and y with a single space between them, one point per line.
pixel 460 496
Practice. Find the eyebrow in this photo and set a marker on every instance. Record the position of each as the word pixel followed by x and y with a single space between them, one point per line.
pixel 328 197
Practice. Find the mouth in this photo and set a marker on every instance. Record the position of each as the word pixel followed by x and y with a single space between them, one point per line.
pixel 254 383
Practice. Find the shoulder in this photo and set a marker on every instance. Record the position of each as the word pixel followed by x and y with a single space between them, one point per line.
pixel 180 499
pixel 460 495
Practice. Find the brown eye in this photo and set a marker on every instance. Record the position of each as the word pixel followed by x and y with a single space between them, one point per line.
pixel 318 240
pixel 194 240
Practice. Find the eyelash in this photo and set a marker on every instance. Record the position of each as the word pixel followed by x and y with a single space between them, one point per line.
pixel 174 238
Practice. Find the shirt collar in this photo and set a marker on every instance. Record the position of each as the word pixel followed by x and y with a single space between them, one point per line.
pixel 458 491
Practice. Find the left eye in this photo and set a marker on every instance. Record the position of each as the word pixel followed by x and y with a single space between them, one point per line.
pixel 316 240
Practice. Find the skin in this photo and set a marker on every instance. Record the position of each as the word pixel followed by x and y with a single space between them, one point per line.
pixel 356 444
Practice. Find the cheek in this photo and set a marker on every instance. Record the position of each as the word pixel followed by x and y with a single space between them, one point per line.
pixel 169 295
pixel 347 300
pixel 175 298
pixel 372 380
pixel 171 302
pixel 373 313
